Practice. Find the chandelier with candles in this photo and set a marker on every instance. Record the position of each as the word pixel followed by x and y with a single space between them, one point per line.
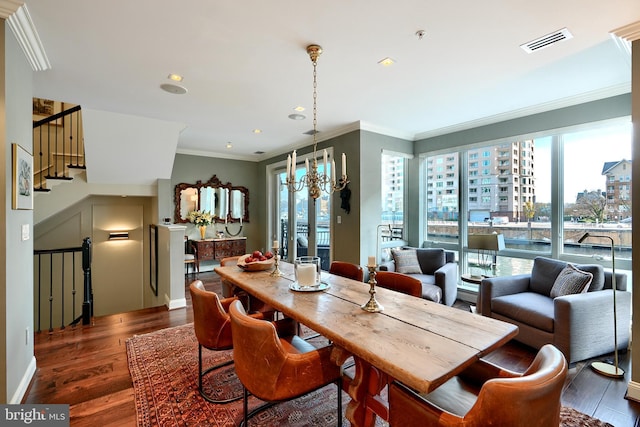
pixel 315 181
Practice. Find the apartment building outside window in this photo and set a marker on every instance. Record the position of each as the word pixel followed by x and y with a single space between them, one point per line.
pixel 392 188
pixel 520 199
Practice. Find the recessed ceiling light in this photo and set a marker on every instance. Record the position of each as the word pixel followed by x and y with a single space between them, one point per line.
pixel 257 131
pixel 174 89
pixel 297 116
pixel 229 145
pixel 299 109
pixel 175 77
pixel 386 62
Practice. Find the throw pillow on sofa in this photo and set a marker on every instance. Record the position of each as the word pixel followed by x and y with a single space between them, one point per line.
pixel 406 261
pixel 571 281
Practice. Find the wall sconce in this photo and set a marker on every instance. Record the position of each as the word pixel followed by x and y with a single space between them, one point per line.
pixel 118 235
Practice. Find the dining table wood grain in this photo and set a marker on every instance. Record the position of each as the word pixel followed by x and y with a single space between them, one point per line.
pixel 414 341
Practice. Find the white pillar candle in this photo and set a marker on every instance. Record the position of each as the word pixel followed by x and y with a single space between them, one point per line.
pixel 276 244
pixel 333 171
pixel 306 274
pixel 306 165
pixel 288 166
pixel 344 165
pixel 293 164
pixel 372 261
pixel 324 158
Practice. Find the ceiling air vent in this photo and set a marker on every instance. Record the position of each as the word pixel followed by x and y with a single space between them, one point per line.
pixel 310 132
pixel 546 41
pixel 258 152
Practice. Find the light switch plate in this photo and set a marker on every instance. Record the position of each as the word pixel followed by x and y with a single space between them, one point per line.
pixel 25 231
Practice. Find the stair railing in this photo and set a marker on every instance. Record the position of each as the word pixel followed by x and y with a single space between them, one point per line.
pixel 57 275
pixel 58 146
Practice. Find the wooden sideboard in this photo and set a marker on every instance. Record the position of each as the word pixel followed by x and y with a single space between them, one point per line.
pixel 216 249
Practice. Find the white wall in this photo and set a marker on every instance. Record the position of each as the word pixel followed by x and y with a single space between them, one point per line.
pixel 17 322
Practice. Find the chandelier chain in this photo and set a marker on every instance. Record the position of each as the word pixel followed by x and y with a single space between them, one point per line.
pixel 315 105
pixel 316 182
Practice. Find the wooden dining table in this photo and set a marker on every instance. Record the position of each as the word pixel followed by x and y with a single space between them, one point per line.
pixel 414 341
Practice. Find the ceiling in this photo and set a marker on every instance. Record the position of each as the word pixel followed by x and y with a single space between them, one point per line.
pixel 245 64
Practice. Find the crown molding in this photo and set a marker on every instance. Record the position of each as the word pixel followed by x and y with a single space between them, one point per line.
pixel 382 130
pixel 629 32
pixel 27 36
pixel 531 110
pixel 9 7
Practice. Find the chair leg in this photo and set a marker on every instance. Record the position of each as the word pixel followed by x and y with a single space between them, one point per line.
pixel 201 375
pixel 245 405
pixel 339 384
pixel 245 408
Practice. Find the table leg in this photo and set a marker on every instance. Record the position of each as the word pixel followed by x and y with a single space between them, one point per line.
pixel 364 391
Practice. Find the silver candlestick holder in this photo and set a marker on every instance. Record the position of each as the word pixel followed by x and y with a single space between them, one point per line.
pixel 276 271
pixel 372 306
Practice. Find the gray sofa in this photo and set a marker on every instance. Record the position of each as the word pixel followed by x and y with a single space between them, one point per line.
pixel 438 273
pixel 580 325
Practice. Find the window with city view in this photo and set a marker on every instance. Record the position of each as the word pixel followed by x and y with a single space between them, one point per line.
pixel 508 187
pixel 392 193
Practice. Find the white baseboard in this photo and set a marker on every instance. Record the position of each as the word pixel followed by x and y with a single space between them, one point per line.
pixel 24 383
pixel 633 391
pixel 175 303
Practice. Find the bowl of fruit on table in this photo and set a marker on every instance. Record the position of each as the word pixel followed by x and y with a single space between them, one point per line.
pixel 256 261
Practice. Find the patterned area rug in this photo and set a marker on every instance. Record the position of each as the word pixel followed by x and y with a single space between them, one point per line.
pixel 164 370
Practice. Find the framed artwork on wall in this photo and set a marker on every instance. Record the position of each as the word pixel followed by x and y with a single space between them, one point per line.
pixel 22 178
pixel 153 262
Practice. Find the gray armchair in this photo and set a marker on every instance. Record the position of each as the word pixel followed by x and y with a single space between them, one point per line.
pixel 438 272
pixel 580 325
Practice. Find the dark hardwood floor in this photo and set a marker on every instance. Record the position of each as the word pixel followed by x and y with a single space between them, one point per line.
pixel 86 367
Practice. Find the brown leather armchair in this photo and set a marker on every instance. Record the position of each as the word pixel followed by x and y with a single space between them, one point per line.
pixel 485 395
pixel 228 288
pixel 212 326
pixel 399 282
pixel 348 270
pixel 275 365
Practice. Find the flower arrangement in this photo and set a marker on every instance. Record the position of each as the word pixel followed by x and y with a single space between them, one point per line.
pixel 201 218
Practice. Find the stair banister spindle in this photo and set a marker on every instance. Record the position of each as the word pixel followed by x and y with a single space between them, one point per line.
pixel 55 164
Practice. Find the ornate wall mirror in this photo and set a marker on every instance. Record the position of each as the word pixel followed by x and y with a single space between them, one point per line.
pixel 225 201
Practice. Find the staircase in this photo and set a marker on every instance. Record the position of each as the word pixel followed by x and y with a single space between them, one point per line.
pixel 58 149
pixel 58 158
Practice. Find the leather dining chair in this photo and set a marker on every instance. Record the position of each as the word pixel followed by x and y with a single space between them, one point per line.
pixel 486 395
pixel 212 326
pixel 276 365
pixel 347 269
pixel 227 287
pixel 399 282
pixel 251 304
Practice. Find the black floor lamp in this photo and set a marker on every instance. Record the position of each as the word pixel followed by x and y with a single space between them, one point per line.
pixel 606 368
